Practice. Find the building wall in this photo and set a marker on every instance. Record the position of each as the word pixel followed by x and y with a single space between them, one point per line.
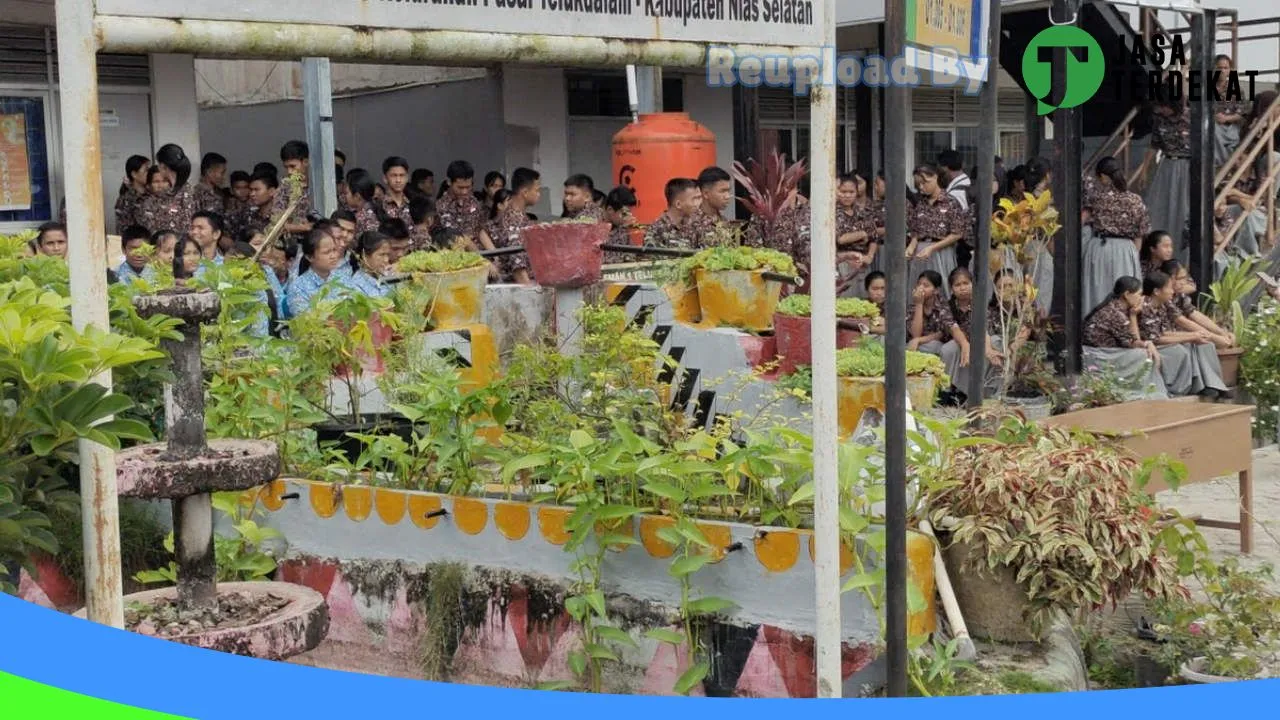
pixel 243 82
pixel 535 108
pixel 424 124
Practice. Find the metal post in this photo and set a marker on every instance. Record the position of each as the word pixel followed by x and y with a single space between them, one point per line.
pixel 1203 29
pixel 897 105
pixel 989 102
pixel 746 134
pixel 87 262
pixel 649 87
pixel 822 291
pixel 1033 127
pixel 317 109
pixel 1067 129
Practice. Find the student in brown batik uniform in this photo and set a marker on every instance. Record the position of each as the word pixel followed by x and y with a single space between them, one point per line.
pixel 257 214
pixel 935 223
pixel 132 191
pixel 1112 339
pixel 458 209
pixel 172 210
pixel 617 212
pixel 930 323
pixel 422 211
pixel 716 187
pixel 678 227
pixel 360 200
pixel 296 158
pixel 579 199
pixel 395 177
pixel 238 194
pixel 1120 222
pixel 504 231
pixel 209 193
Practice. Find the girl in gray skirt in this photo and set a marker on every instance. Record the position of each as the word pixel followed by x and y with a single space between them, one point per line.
pixel 1119 222
pixel 1188 359
pixel 1169 195
pixel 935 223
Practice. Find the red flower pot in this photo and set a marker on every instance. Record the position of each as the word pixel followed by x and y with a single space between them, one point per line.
pixel 565 254
pixel 795 346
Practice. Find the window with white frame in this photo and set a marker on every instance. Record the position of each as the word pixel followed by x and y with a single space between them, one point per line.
pixel 949 119
pixel 784 125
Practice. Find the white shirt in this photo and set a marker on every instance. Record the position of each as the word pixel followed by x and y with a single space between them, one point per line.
pixel 956 189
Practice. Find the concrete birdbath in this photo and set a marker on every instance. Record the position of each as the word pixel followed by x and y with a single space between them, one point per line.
pixel 268 620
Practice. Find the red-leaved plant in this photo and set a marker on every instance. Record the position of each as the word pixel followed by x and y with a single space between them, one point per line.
pixel 771 187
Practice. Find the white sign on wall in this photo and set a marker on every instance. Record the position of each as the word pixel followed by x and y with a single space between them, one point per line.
pixel 765 22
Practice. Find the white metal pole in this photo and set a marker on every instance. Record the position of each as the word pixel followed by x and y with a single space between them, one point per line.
pixel 822 291
pixel 87 259
pixel 317 107
pixel 632 94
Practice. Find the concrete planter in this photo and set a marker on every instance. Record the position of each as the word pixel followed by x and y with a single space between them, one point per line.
pixel 992 602
pixel 457 297
pixel 371 551
pixel 737 298
pixel 1193 672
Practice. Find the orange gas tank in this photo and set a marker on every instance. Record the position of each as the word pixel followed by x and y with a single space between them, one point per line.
pixel 661 146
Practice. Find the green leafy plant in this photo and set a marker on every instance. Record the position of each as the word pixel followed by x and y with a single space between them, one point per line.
pixel 802 306
pixel 240 557
pixel 1066 512
pixel 736 258
pixel 439 261
pixel 1098 386
pixel 337 335
pixel 1234 630
pixel 866 359
pixel 1224 301
pixel 1260 366
pixel 48 401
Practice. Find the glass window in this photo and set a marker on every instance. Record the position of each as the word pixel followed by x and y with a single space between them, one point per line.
pixel 967 146
pixel 929 143
pixel 25 195
pixel 1013 147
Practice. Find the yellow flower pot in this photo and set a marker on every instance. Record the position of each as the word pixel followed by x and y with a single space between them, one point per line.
pixel 457 297
pixel 737 298
pixel 855 395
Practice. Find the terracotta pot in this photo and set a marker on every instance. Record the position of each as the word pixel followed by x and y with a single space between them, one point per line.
pixel 457 298
pixel 1229 358
pixel 565 255
pixel 994 606
pixel 737 298
pixel 794 337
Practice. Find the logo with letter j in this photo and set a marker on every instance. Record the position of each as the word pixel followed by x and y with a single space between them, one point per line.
pixel 1082 76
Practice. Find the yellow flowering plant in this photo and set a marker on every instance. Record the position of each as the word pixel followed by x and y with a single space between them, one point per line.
pixel 1019 227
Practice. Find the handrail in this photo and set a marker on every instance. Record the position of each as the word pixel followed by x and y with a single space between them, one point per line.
pixel 1266 189
pixel 1247 151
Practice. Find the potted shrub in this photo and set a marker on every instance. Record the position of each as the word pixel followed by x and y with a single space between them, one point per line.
pixel 1233 633
pixel 732 289
pixel 348 334
pixel 566 253
pixel 449 283
pixel 860 373
pixel 1040 522
pixel 791 326
pixel 1227 298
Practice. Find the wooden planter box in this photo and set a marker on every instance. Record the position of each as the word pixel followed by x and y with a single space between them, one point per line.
pixel 1212 440
pixel 1229 358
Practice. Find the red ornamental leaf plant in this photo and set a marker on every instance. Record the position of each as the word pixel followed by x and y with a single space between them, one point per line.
pixel 1067 514
pixel 771 187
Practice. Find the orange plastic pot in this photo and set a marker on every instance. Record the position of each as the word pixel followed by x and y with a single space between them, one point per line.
pixel 567 254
